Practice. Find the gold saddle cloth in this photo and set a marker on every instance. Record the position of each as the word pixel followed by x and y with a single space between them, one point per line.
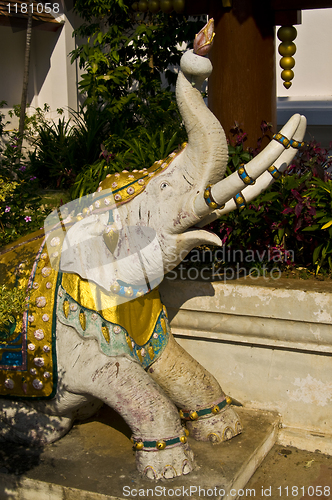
pixel 28 363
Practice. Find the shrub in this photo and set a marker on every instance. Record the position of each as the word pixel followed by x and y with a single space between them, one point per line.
pixel 126 53
pixel 321 192
pixel 127 64
pixel 273 223
pixel 20 210
pixel 53 158
pixel 63 149
pixel 12 304
pixel 135 150
pixel 291 222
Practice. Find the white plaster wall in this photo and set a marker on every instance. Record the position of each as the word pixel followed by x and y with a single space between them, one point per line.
pixel 270 347
pixel 11 64
pixel 295 384
pixel 48 70
pixel 53 79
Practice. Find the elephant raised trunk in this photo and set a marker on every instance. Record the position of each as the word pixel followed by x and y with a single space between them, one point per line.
pixel 205 158
pixel 207 151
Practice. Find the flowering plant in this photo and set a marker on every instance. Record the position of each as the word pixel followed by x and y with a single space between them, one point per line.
pixel 20 206
pixel 292 218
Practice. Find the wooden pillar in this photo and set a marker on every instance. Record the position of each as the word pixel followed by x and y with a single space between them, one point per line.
pixel 242 86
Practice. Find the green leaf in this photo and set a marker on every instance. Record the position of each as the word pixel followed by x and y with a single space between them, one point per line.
pixel 281 233
pixel 328 224
pixel 316 253
pixel 269 196
pixel 246 157
pixel 115 56
pixel 314 227
pixel 94 67
pixel 235 161
pixel 100 37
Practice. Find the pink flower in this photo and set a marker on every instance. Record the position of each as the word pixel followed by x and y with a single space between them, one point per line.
pixel 7 209
pixel 27 218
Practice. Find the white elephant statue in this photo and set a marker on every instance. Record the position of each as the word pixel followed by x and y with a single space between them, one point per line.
pixel 94 329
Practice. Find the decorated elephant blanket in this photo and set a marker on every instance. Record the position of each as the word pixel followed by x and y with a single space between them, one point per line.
pixel 137 328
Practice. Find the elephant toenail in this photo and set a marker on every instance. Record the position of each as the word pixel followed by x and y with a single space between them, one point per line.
pixel 214 438
pixel 150 472
pixel 186 467
pixel 238 427
pixel 169 472
pixel 228 433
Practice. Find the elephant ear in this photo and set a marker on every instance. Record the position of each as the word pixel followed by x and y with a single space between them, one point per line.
pixel 107 256
pixel 84 251
pixel 78 231
pixel 103 250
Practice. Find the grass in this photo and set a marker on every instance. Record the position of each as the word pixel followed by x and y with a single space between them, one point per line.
pixel 303 273
pixel 54 199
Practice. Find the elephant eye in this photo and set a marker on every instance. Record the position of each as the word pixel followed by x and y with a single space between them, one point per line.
pixel 164 185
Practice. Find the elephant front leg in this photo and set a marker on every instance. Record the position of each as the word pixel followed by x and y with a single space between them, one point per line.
pixel 158 436
pixel 203 404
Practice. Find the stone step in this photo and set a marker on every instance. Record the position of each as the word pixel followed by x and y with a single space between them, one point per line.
pixel 95 461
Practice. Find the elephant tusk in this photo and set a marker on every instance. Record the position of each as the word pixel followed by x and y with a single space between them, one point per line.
pixel 229 187
pixel 266 179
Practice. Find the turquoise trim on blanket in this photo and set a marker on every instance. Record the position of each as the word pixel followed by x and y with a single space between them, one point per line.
pixel 113 339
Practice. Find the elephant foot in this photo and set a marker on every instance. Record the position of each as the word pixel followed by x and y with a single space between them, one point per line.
pixel 23 424
pixel 216 427
pixel 172 461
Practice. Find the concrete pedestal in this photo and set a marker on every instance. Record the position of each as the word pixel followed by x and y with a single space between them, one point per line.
pixel 95 461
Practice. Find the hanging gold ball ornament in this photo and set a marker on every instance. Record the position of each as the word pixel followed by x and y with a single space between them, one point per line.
pixel 154 6
pixel 135 6
pixel 287 74
pixel 287 62
pixel 166 6
pixel 179 6
pixel 143 5
pixel 287 49
pixel 287 33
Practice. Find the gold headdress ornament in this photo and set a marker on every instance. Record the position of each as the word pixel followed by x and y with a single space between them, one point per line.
pixel 125 185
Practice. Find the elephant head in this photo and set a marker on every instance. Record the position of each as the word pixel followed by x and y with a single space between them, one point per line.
pixel 141 224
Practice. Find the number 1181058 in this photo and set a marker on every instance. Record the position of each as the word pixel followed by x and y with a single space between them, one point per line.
pixel 39 8
pixel 316 491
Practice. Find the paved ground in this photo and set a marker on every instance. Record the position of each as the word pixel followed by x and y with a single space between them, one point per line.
pixel 97 457
pixel 289 473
